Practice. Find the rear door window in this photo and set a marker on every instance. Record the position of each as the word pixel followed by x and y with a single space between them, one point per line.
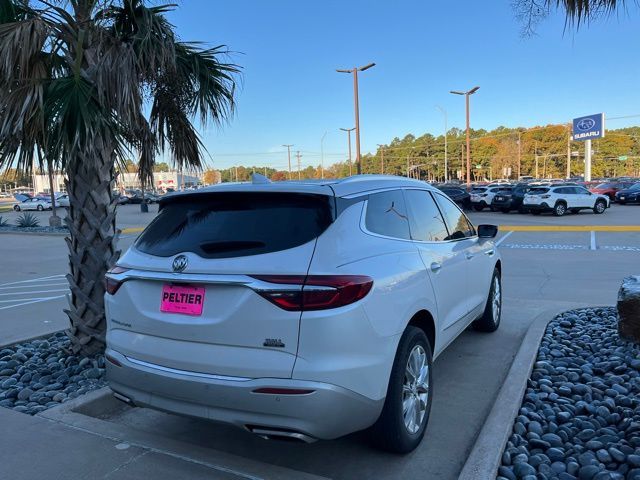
pixel 427 224
pixel 387 215
pixel 236 224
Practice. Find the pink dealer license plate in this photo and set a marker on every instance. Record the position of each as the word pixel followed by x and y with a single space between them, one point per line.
pixel 179 299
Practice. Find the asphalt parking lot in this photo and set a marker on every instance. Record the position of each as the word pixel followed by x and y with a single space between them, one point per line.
pixel 576 260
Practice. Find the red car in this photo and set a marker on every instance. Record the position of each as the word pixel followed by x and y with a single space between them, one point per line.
pixel 610 188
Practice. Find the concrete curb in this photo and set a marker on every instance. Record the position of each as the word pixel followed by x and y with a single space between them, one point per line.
pixel 89 413
pixel 486 455
pixel 29 339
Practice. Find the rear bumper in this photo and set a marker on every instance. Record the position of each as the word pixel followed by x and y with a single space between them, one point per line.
pixel 329 412
pixel 537 207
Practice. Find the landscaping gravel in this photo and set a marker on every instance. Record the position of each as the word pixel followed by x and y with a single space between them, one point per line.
pixel 40 374
pixel 580 416
pixel 44 229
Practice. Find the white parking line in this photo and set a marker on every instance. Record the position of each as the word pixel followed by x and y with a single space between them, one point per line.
pixel 593 240
pixel 38 291
pixel 503 238
pixel 45 299
pixel 37 285
pixel 33 280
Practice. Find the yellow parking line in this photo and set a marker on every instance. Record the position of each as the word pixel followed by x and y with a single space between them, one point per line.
pixel 132 230
pixel 570 228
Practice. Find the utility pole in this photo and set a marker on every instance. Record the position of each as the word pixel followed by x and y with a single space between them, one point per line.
pixel 355 71
pixel 298 157
pixel 467 94
pixel 569 152
pixel 236 169
pixel 382 158
pixel 587 160
pixel 349 130
pixel 322 155
pixel 536 154
pixel 446 160
pixel 289 157
pixel 519 155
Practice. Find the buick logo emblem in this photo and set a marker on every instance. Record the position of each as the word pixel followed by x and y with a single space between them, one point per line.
pixel 180 263
pixel 586 124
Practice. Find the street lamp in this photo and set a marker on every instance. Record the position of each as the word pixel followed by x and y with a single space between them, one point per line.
pixel 467 94
pixel 349 130
pixel 355 71
pixel 446 160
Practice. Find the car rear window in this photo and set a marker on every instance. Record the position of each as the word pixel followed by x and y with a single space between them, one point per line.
pixel 538 191
pixel 236 224
pixel 604 186
pixel 478 189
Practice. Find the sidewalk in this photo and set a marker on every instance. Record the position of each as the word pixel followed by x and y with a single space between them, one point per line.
pixel 37 448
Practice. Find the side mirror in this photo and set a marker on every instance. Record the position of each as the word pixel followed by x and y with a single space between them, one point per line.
pixel 487 231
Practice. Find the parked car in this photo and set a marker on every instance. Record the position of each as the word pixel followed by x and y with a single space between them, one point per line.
pixel 610 188
pixel 32 204
pixel 457 194
pixel 629 195
pixel 563 199
pixel 299 310
pixel 63 201
pixel 481 197
pixel 510 199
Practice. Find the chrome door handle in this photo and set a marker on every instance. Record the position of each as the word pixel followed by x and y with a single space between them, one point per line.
pixel 435 267
pixel 490 252
pixel 469 255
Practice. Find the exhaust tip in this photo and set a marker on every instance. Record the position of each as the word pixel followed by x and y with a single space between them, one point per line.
pixel 281 434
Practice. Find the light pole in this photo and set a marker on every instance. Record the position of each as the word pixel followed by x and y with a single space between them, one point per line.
pixel 289 157
pixel 446 160
pixel 467 94
pixel 349 130
pixel 381 147
pixel 355 71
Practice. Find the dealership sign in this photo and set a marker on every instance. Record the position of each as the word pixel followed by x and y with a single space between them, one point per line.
pixel 589 127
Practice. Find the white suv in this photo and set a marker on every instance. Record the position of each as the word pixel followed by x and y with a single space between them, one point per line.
pixel 299 310
pixel 481 197
pixel 562 199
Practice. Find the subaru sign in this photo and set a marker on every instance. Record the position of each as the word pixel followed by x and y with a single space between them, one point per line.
pixel 589 127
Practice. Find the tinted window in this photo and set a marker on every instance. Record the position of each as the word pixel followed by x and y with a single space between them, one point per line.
pixel 387 215
pixel 222 225
pixel 425 219
pixel 478 189
pixel 538 191
pixel 581 190
pixel 457 223
pixel 564 190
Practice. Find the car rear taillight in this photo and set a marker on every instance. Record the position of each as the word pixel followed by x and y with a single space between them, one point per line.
pixel 113 285
pixel 545 196
pixel 314 292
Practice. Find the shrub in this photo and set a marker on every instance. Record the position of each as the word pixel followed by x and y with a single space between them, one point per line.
pixel 3 222
pixel 27 220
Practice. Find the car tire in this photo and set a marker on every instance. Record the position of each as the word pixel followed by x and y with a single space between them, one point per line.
pixel 479 207
pixel 505 210
pixel 391 432
pixel 490 320
pixel 535 212
pixel 40 208
pixel 16 208
pixel 493 209
pixel 522 210
pixel 560 209
pixel 574 210
pixel 600 207
pixel 621 202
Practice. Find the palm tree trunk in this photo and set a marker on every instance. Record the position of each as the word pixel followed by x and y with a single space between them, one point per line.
pixel 92 249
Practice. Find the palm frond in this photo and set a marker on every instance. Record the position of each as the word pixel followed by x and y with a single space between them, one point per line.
pixel 581 11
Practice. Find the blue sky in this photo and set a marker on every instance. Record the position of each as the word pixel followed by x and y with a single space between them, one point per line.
pixel 290 93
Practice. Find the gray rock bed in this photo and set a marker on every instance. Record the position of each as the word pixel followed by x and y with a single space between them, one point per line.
pixel 42 229
pixel 41 374
pixel 580 415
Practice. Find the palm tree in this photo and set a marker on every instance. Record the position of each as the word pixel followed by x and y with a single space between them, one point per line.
pixel 83 83
pixel 577 12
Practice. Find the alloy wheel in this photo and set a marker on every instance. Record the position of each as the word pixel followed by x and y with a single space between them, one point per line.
pixel 496 300
pixel 415 390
